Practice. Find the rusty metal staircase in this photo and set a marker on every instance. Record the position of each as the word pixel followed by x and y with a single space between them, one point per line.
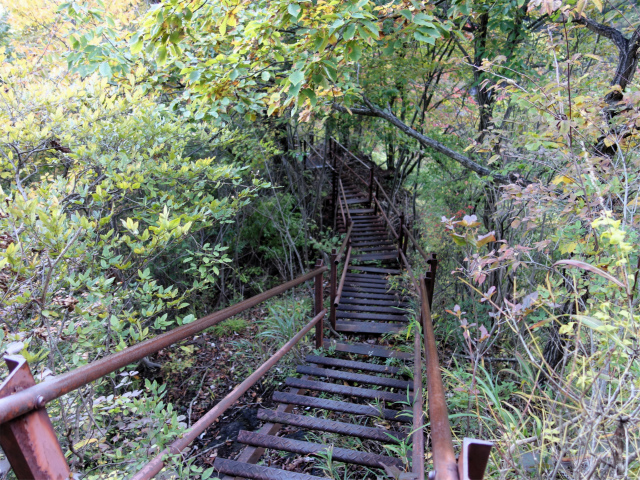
pixel 354 388
pixel 358 399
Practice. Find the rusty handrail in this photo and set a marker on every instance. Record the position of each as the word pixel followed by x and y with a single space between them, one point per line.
pixel 39 395
pixel 415 243
pixel 346 150
pixel 354 172
pixel 416 284
pixel 393 230
pixel 444 458
pixel 396 211
pixel 341 200
pixel 417 444
pixel 345 242
pixel 154 466
pixel 346 205
pixel 343 277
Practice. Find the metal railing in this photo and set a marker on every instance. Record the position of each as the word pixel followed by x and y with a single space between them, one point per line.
pixel 27 435
pixel 475 453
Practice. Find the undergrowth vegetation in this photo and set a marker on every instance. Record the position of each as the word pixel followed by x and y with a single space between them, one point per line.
pixel 157 164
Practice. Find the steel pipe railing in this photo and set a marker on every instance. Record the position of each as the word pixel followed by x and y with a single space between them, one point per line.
pixel 350 153
pixel 384 215
pixel 417 443
pixel 415 243
pixel 154 466
pixel 345 242
pixel 444 458
pixel 39 395
pixel 343 277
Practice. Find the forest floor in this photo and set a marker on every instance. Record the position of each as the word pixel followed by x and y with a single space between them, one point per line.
pixel 203 370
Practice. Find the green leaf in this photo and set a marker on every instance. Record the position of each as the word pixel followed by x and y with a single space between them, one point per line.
pixel 349 32
pixel 356 51
pixel 105 70
pixel 265 76
pixel 137 47
pixel 207 473
pixel 422 38
pixel 162 55
pixel 296 77
pixel 310 94
pixel 194 76
pixel 294 9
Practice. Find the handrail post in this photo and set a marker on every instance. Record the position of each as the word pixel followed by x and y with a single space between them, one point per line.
pixel 406 241
pixel 375 204
pixel 370 186
pixel 431 284
pixel 401 232
pixel 333 286
pixel 318 301
pixel 29 441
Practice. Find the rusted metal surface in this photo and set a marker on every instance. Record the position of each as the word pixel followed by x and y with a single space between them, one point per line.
pixel 253 454
pixel 355 377
pixel 416 244
pixel 352 364
pixel 391 205
pixel 417 459
pixel 392 303
pixel 256 472
pixel 370 309
pixel 331 426
pixel 473 459
pixel 340 201
pixel 34 397
pixel 350 153
pixel 309 448
pixel 333 289
pixel 154 466
pixel 346 390
pixel 345 242
pixel 29 442
pixel 444 459
pixel 366 349
pixel 369 327
pixel 347 259
pixel 385 271
pixel 372 316
pixel 384 215
pixel 403 416
pixel 433 264
pixel 318 301
pixel 360 277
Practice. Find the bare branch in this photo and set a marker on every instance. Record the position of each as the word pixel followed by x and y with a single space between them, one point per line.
pixel 373 111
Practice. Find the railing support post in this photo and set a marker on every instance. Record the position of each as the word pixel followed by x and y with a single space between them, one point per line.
pixel 406 242
pixel 370 186
pixel 318 301
pixel 333 287
pixel 431 284
pixel 29 441
pixel 401 233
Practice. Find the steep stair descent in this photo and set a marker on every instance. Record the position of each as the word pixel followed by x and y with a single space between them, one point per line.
pixel 356 395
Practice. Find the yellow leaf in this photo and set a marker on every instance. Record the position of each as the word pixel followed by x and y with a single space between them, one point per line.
pixel 562 179
pixel 598 4
pixel 609 141
pixel 568 247
pixel 566 329
pixel 84 443
pixel 232 21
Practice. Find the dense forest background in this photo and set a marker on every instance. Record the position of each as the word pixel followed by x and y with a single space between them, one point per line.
pixel 153 169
